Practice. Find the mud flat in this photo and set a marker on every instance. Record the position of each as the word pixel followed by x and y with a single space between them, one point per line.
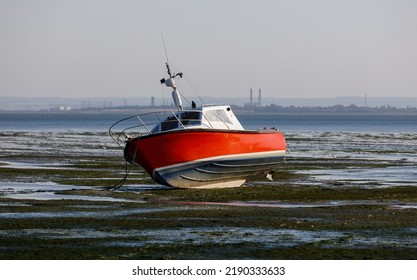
pixel 354 201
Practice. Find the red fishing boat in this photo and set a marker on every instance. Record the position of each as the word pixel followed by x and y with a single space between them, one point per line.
pixel 204 147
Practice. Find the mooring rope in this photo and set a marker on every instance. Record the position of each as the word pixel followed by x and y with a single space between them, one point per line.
pixel 127 171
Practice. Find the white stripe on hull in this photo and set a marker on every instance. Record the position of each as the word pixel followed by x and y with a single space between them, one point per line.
pixel 279 153
pixel 217 172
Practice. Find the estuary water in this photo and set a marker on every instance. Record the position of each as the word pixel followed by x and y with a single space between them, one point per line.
pixel 289 123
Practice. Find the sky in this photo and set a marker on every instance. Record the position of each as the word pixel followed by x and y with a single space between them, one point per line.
pixel 289 48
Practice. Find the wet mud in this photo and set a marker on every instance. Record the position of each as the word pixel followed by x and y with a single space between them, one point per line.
pixel 337 196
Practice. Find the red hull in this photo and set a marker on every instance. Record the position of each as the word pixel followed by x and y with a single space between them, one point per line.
pixel 176 147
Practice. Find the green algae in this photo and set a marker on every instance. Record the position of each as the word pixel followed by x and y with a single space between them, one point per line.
pixel 350 221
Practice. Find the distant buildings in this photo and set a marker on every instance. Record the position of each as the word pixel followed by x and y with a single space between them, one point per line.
pixel 252 104
pixel 60 109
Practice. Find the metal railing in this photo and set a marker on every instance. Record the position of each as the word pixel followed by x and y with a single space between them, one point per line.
pixel 156 122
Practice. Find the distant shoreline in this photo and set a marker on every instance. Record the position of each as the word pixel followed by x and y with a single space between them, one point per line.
pixel 266 110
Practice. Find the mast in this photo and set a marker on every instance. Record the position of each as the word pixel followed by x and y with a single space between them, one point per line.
pixel 176 96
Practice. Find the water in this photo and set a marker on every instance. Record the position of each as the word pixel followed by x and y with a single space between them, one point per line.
pixel 289 123
pixel 57 122
pixel 301 123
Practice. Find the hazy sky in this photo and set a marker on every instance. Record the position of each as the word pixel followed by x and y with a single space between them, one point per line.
pixel 289 48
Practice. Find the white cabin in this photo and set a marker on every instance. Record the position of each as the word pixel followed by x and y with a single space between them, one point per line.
pixel 220 117
pixel 206 117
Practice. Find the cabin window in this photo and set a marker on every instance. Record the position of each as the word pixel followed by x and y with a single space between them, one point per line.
pixel 169 123
pixel 155 129
pixel 217 116
pixel 190 118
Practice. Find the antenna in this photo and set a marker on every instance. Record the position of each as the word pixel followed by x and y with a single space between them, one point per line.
pixel 165 48
pixel 176 95
pixel 180 74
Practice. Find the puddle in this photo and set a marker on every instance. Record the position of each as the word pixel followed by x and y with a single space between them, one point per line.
pixel 86 214
pixel 213 235
pixel 404 238
pixel 16 187
pixel 143 187
pixel 394 175
pixel 32 165
pixel 414 206
pixel 263 238
pixel 278 204
pixel 14 204
pixel 47 191
pixel 255 204
pixel 266 238
pixel 54 196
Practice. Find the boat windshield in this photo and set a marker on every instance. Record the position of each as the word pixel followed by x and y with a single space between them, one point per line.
pixel 169 123
pixel 217 116
pixel 190 118
pixel 182 119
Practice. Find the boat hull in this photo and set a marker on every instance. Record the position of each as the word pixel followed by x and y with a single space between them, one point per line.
pixel 207 158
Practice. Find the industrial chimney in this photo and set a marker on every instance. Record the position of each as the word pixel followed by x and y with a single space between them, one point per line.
pixel 259 98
